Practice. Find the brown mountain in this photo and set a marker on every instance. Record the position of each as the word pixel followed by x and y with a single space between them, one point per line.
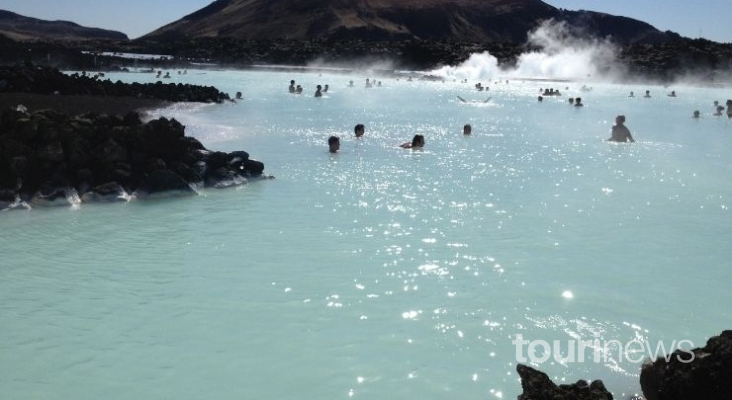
pixel 18 27
pixel 466 20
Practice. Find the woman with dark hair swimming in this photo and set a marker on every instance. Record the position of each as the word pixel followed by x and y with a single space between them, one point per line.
pixel 417 143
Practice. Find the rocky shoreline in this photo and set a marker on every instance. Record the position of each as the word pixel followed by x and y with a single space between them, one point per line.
pixel 49 158
pixel 707 61
pixel 85 142
pixel 80 103
pixel 536 385
pixel 700 373
pixel 31 78
pixel 664 62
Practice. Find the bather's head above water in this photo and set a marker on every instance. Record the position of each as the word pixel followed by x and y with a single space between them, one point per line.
pixel 359 130
pixel 334 144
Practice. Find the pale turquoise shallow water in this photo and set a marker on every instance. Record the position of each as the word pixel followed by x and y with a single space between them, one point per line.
pixel 381 272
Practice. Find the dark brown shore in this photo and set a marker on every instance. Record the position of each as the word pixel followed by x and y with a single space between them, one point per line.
pixel 80 104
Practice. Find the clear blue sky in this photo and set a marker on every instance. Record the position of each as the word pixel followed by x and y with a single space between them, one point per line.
pixel 709 18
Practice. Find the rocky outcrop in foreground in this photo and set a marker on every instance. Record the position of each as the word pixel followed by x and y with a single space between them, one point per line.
pixel 45 80
pixel 536 385
pixel 702 373
pixel 50 158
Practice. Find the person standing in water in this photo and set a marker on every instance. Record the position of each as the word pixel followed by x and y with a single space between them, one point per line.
pixel 620 132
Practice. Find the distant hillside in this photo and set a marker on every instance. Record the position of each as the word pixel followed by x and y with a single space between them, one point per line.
pixel 461 20
pixel 20 28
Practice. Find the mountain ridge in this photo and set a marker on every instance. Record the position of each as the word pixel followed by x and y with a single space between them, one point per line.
pixel 467 20
pixel 22 28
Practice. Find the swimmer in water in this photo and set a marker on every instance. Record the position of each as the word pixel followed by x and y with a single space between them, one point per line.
pixel 416 143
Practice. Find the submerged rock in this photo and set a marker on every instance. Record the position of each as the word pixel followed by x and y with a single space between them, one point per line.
pixel 164 183
pixel 8 199
pixel 109 192
pixel 224 178
pixel 51 196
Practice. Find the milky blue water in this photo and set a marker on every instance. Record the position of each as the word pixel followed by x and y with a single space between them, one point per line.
pixel 379 272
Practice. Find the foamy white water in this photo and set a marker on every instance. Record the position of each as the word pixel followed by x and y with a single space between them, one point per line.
pixel 381 272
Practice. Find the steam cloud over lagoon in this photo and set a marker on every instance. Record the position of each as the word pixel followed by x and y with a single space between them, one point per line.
pixel 563 55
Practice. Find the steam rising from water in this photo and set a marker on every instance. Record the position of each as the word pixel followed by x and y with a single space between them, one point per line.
pixel 363 64
pixel 563 55
pixel 478 66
